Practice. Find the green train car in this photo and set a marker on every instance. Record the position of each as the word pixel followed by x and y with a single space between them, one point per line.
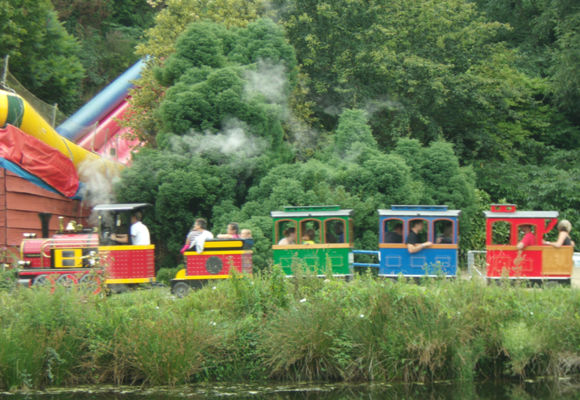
pixel 317 239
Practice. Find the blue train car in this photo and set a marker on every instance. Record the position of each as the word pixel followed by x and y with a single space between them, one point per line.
pixel 440 227
pixel 434 229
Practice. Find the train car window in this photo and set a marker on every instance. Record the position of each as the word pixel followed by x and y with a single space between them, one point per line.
pixel 393 231
pixel 420 228
pixel 335 231
pixel 284 228
pixel 444 231
pixel 501 232
pixel 310 231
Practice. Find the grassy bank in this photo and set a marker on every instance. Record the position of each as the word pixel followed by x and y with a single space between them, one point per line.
pixel 268 327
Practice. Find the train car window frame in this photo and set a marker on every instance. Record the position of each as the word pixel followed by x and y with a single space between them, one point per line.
pixel 495 233
pixel 350 239
pixel 326 230
pixel 436 222
pixel 280 227
pixel 426 226
pixel 302 230
pixel 384 229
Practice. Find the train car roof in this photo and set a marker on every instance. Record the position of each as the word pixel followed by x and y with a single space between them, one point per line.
pixel 120 207
pixel 419 211
pixel 312 213
pixel 521 214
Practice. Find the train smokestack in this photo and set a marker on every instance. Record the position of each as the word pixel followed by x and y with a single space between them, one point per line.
pixel 45 223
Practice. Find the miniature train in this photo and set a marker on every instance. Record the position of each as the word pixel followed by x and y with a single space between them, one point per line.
pixel 313 239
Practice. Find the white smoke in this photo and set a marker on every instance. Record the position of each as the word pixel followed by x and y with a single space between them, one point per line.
pixel 381 104
pixel 98 177
pixel 268 80
pixel 232 141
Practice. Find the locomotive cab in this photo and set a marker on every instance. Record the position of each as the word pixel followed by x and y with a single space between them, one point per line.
pixel 126 263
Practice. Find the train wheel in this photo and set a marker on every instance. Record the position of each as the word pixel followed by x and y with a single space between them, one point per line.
pixel 180 289
pixel 118 288
pixel 67 281
pixel 42 281
pixel 90 283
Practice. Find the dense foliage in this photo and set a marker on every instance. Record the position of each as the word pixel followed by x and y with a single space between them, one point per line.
pixel 43 56
pixel 269 327
pixel 108 32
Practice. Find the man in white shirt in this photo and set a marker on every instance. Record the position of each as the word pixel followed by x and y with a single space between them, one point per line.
pixel 139 232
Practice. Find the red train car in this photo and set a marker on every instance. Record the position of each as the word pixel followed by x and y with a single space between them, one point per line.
pixel 218 258
pixel 78 255
pixel 535 262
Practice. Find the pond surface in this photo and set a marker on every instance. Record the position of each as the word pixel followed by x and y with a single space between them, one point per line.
pixel 564 389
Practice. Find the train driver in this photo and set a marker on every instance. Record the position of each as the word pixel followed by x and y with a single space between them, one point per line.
pixel 139 232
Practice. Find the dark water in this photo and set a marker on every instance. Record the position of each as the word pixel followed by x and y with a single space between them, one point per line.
pixel 566 389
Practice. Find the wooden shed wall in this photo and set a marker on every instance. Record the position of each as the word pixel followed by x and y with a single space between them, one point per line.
pixel 20 203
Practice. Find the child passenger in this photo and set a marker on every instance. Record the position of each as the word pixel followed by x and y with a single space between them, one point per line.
pixel 308 237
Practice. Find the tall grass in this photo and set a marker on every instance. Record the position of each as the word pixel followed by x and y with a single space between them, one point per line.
pixel 305 328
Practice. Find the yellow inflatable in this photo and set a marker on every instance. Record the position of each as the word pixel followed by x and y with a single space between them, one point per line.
pixel 16 111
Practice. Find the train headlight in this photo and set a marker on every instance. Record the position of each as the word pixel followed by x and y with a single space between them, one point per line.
pixel 23 263
pixel 29 235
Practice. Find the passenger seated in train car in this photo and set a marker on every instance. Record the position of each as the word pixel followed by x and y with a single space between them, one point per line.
pixel 446 237
pixel 413 241
pixel 308 237
pixel 289 237
pixel 197 236
pixel 138 231
pixel 232 232
pixel 395 235
pixel 246 236
pixel 528 238
pixel 564 239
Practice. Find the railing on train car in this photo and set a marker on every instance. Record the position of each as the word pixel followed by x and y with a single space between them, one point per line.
pixel 374 253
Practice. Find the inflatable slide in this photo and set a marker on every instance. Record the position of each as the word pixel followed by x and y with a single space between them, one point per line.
pixel 96 127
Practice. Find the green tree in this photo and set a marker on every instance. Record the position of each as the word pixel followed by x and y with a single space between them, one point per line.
pixel 353 128
pixel 43 56
pixel 212 78
pixel 424 69
pixel 170 22
pixel 108 32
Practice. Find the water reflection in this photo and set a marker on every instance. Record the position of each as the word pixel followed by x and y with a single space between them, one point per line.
pixel 496 391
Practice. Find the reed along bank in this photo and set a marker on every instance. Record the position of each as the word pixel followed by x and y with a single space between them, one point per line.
pixel 269 327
